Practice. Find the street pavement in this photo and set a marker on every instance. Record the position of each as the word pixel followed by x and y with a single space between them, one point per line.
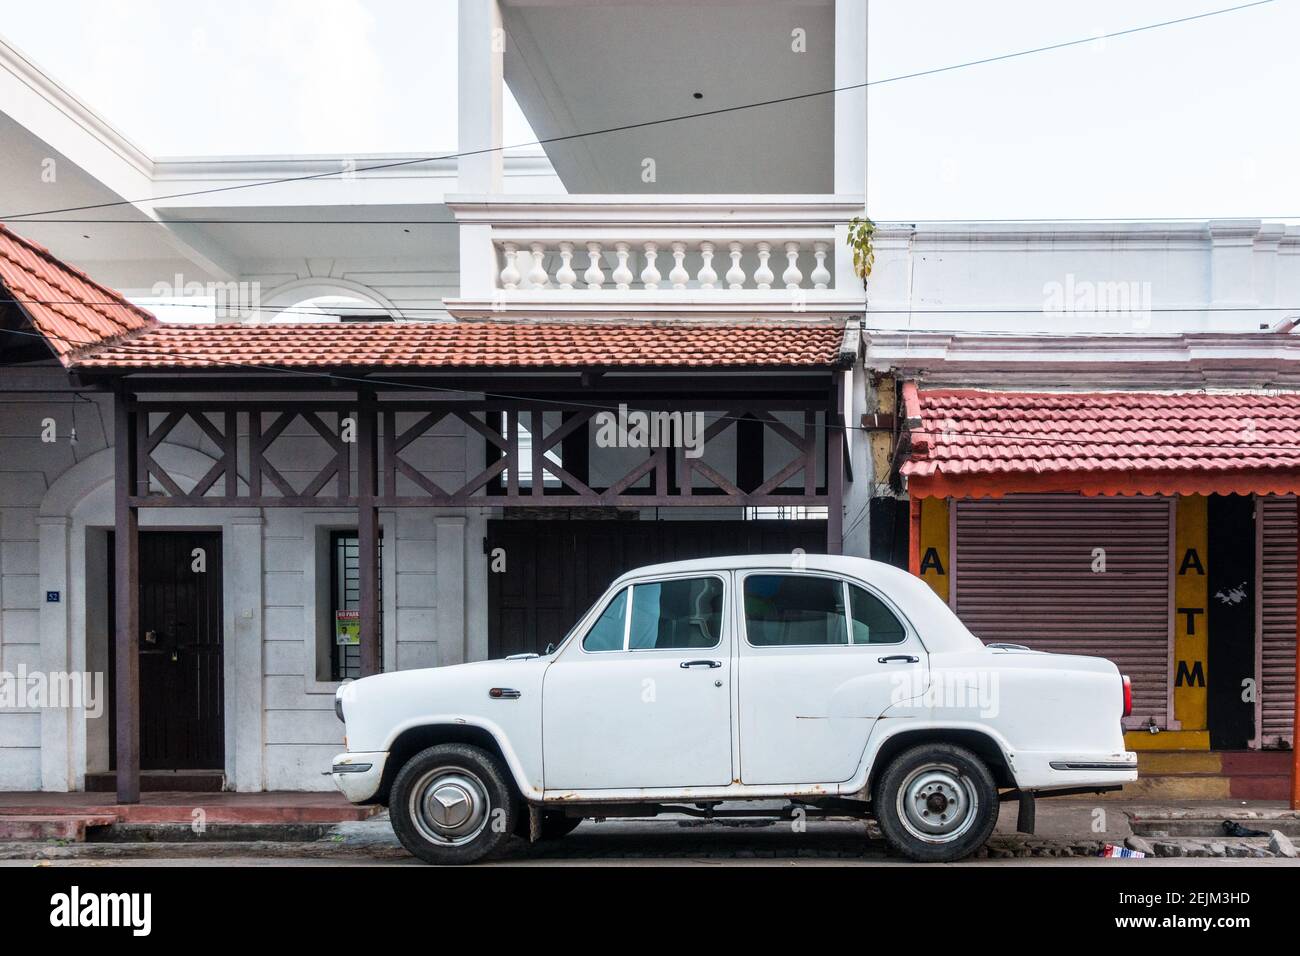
pixel 1068 833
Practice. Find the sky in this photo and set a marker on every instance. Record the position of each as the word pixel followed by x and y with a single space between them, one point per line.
pixel 257 77
pixel 1196 120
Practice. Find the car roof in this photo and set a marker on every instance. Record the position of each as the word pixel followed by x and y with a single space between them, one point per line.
pixel 786 560
pixel 941 629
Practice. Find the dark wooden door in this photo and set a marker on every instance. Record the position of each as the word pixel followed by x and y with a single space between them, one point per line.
pixel 555 570
pixel 181 673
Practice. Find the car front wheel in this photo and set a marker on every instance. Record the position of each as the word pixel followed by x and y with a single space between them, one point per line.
pixel 936 803
pixel 452 804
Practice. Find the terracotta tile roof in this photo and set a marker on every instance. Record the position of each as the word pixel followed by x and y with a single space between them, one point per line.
pixel 973 443
pixel 470 345
pixel 65 305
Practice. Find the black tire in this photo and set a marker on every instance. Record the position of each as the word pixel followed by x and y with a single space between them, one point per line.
pixel 479 809
pixel 936 803
pixel 558 825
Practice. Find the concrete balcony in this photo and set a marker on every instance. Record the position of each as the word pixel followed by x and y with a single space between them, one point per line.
pixel 624 256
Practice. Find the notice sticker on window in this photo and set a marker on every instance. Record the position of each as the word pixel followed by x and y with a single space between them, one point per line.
pixel 347 627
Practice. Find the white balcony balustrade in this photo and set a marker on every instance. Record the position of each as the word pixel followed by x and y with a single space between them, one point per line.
pixel 588 255
pixel 699 275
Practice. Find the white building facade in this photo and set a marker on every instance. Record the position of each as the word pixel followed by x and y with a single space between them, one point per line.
pixel 705 266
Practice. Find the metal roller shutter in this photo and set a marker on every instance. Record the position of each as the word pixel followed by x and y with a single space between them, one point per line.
pixel 1277 618
pixel 1023 574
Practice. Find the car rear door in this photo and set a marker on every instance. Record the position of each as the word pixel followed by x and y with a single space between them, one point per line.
pixel 820 659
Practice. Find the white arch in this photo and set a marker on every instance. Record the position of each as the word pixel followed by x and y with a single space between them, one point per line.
pixel 311 287
pixel 79 505
pixel 185 465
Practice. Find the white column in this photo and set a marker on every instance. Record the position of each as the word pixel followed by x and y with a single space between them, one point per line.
pixel 1267 242
pixel 56 722
pixel 478 95
pixel 1232 278
pixel 1232 261
pixel 450 584
pixel 242 568
pixel 850 105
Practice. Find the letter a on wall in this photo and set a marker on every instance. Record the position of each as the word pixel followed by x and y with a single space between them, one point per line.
pixel 934 545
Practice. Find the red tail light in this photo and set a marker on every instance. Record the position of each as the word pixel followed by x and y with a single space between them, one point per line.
pixel 1128 695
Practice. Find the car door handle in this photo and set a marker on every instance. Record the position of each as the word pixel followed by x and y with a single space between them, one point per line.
pixel 709 664
pixel 905 658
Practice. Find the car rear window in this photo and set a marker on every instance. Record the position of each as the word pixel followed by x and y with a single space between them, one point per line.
pixel 794 609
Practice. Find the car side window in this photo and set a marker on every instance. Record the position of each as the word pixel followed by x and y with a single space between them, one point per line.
pixel 871 622
pixel 608 631
pixel 676 614
pixel 783 610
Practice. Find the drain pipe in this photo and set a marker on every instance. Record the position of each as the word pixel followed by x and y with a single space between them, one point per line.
pixel 1295 726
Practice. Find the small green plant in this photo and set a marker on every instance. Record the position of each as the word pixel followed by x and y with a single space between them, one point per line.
pixel 861 232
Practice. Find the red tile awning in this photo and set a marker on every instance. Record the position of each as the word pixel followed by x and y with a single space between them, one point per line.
pixel 481 344
pixel 92 327
pixel 70 309
pixel 969 443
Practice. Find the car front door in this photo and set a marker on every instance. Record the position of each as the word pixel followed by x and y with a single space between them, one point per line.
pixel 642 699
pixel 820 658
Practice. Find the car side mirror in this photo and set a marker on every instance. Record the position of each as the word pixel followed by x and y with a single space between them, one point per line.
pixel 550 649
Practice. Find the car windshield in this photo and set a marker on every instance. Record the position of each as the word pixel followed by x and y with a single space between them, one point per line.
pixel 552 648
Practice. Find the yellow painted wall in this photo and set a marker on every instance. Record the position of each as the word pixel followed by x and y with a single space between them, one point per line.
pixel 936 566
pixel 1167 740
pixel 1191 612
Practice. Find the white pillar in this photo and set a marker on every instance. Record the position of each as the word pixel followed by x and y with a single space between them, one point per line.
pixel 243 600
pixel 450 583
pixel 478 94
pixel 850 105
pixel 56 722
pixel 1232 253
pixel 1232 277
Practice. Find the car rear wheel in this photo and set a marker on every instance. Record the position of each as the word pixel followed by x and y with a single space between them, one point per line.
pixel 936 803
pixel 452 804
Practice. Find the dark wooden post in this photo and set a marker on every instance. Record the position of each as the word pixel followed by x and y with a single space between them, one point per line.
pixel 835 466
pixel 368 530
pixel 126 574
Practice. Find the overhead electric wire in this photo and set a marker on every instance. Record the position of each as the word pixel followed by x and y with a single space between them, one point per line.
pixel 747 223
pixel 627 127
pixel 372 310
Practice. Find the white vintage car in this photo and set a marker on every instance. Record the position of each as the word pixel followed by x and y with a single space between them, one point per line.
pixel 839 686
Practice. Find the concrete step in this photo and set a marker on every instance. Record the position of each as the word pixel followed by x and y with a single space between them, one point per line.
pixel 1211 775
pixel 125 832
pixel 1207 822
pixel 162 781
pixel 1174 788
pixel 63 826
pixel 187 808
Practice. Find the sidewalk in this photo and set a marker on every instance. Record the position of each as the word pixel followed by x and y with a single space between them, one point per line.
pixel 69 816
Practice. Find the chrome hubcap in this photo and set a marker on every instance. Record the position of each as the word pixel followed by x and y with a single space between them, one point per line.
pixel 937 804
pixel 449 806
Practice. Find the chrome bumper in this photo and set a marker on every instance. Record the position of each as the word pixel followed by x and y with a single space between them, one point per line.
pixel 358 775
